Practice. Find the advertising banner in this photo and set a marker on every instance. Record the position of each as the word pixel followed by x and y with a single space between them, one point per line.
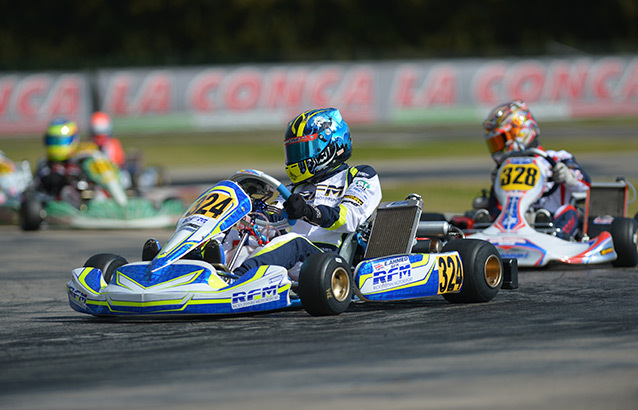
pixel 252 96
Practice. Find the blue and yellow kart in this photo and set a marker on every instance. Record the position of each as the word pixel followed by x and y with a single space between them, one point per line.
pixel 376 263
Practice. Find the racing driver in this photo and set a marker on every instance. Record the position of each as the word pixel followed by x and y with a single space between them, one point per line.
pixel 512 127
pixel 329 198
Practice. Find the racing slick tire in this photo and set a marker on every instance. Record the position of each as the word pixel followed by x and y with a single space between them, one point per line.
pixel 482 270
pixel 30 214
pixel 107 263
pixel 325 284
pixel 624 232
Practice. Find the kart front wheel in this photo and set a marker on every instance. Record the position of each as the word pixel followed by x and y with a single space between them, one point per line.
pixel 30 214
pixel 624 232
pixel 107 263
pixel 325 284
pixel 482 270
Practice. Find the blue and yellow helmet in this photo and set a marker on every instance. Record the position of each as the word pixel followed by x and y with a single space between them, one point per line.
pixel 61 139
pixel 316 142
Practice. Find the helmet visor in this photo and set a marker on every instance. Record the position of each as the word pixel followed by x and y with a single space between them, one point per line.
pixel 303 147
pixel 51 140
pixel 496 143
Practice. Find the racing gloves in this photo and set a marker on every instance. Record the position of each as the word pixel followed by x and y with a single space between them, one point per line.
pixel 297 208
pixel 564 175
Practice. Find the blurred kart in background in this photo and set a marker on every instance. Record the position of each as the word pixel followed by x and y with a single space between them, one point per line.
pixel 99 199
pixel 14 180
pixel 528 234
pixel 192 273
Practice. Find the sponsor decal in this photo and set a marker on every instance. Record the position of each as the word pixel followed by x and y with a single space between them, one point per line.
pixel 78 295
pixel 391 273
pixel 329 190
pixel 603 220
pixel 353 199
pixel 360 183
pixel 255 297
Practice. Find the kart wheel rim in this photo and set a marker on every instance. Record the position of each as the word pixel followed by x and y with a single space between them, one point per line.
pixel 493 271
pixel 340 284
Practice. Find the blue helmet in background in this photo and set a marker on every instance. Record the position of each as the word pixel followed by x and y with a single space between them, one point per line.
pixel 316 142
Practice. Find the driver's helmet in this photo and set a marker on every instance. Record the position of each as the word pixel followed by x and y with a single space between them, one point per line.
pixel 510 127
pixel 61 139
pixel 316 142
pixel 101 128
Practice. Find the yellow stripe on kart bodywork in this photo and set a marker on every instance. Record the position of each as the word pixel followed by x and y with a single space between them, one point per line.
pixel 414 265
pixel 82 280
pixel 112 305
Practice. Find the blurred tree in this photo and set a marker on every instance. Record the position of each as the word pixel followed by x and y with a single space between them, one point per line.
pixel 85 34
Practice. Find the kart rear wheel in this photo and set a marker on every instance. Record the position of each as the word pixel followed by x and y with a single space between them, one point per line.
pixel 325 284
pixel 482 270
pixel 107 263
pixel 624 232
pixel 30 214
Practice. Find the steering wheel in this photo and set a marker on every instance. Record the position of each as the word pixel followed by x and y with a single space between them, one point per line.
pixel 530 152
pixel 263 190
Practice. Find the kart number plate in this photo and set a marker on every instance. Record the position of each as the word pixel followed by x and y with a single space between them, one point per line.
pixel 214 204
pixel 519 177
pixel 102 168
pixel 5 167
pixel 450 273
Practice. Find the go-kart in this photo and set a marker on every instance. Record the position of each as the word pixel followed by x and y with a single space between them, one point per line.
pixel 179 280
pixel 97 200
pixel 518 231
pixel 14 180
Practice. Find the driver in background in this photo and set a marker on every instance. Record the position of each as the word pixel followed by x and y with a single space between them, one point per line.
pixel 101 129
pixel 329 198
pixel 58 170
pixel 512 127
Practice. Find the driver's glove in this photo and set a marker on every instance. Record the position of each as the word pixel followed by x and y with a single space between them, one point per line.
pixel 297 208
pixel 564 175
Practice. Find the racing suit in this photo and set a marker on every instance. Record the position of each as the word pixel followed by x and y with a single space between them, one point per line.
pixel 564 215
pixel 345 198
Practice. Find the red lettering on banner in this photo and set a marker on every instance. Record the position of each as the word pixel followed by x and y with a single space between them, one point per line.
pixel 65 98
pixel 359 89
pixel 243 91
pixel 603 78
pixel 568 81
pixel 118 101
pixel 487 83
pixel 629 87
pixel 406 79
pixel 322 88
pixel 155 94
pixel 7 86
pixel 202 90
pixel 440 87
pixel 30 95
pixel 526 82
pixel 285 89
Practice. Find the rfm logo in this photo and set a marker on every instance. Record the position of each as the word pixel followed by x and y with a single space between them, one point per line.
pixel 255 296
pixel 386 276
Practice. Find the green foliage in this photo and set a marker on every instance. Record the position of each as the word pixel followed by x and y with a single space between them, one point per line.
pixel 88 34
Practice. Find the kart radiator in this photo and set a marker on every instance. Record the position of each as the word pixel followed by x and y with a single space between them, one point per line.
pixel 394 227
pixel 604 199
pixel 608 198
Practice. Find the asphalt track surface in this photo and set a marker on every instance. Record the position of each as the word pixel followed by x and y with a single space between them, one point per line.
pixel 567 338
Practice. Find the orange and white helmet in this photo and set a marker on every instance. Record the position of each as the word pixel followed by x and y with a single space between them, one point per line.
pixel 510 127
pixel 101 128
